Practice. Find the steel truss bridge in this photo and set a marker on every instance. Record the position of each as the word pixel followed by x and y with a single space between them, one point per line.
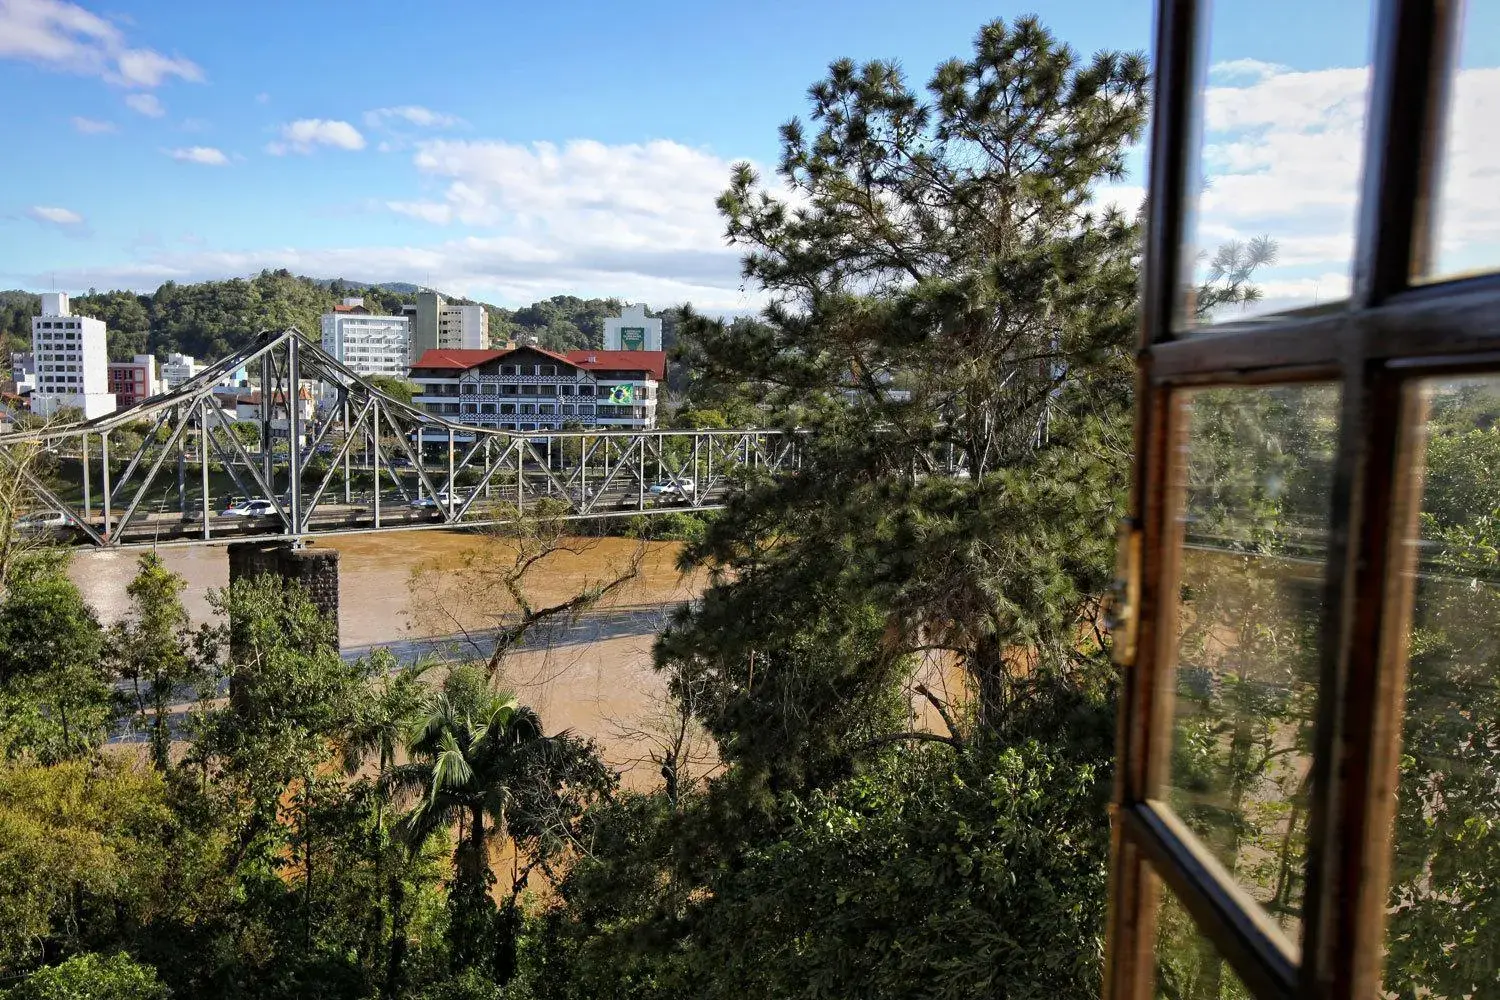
pixel 163 471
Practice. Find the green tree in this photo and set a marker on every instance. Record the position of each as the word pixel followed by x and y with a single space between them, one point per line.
pixel 52 672
pixel 92 977
pixel 397 388
pixel 152 649
pixel 481 762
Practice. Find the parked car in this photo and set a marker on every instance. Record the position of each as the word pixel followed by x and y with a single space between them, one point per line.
pixel 250 508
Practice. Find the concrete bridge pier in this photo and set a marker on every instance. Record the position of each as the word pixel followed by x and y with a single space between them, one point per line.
pixel 315 569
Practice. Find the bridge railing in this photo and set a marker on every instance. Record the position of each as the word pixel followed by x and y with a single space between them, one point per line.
pixel 167 469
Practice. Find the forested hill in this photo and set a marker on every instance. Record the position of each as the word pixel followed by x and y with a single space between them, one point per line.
pixel 209 319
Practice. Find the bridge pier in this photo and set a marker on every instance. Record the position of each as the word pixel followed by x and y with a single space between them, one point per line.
pixel 315 569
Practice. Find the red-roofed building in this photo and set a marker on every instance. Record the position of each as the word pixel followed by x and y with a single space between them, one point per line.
pixel 532 389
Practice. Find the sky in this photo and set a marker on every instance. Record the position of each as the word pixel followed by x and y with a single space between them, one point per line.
pixel 512 151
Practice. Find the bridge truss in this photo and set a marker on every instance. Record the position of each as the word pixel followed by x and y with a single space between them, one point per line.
pixel 164 470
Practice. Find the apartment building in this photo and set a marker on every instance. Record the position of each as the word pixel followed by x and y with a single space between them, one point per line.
pixel 178 368
pixel 72 360
pixel 438 324
pixel 531 389
pixel 368 344
pixel 134 380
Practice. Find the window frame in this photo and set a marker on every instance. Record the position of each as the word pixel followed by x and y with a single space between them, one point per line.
pixel 1392 332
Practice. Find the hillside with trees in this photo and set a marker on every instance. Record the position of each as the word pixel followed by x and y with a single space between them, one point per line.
pixel 209 319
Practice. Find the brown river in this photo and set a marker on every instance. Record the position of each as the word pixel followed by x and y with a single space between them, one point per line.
pixel 403 587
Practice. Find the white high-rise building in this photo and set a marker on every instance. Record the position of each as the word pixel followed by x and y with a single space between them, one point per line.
pixel 178 368
pixel 632 331
pixel 370 345
pixel 464 328
pixel 72 361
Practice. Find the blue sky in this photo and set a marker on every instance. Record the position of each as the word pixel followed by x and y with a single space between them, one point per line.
pixel 511 151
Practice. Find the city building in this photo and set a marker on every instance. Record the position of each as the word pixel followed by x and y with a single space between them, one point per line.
pixel 134 380
pixel 435 324
pixel 178 368
pixel 531 389
pixel 633 330
pixel 72 361
pixel 23 372
pixel 369 345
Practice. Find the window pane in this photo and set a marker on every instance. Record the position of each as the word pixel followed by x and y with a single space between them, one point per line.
pixel 1468 204
pixel 1258 472
pixel 1187 965
pixel 1282 133
pixel 1443 922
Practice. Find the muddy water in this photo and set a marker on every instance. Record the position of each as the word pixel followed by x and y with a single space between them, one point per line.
pixel 378 599
pixel 408 585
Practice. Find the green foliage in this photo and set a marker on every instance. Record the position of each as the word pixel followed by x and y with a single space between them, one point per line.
pixel 397 388
pixel 53 684
pixel 481 762
pixel 92 977
pixel 152 650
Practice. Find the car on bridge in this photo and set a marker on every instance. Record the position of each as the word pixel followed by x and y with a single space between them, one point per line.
pixel 433 503
pixel 42 522
pixel 679 489
pixel 250 508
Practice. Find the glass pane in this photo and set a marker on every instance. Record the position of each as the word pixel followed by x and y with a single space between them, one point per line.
pixel 1443 922
pixel 1187 966
pixel 1468 204
pixel 1282 129
pixel 1258 473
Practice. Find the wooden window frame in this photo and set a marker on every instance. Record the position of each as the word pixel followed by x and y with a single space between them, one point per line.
pixel 1393 331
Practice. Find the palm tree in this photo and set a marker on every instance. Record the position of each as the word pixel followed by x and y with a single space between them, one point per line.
pixel 479 760
pixel 469 760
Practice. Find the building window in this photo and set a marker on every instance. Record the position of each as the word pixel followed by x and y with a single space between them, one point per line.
pixel 507 369
pixel 549 370
pixel 566 389
pixel 528 390
pixel 585 390
pixel 490 389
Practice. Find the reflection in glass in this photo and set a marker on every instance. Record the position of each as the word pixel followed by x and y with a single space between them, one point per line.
pixel 1467 209
pixel 1443 922
pixel 1187 966
pixel 1279 162
pixel 1258 472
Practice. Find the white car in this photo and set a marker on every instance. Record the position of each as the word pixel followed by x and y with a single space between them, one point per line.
pixel 251 508
pixel 679 488
pixel 44 520
pixel 433 503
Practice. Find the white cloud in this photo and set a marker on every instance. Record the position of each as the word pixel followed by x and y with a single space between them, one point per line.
pixel 656 194
pixel 92 126
pixel 498 269
pixel 55 216
pixel 411 114
pixel 1282 157
pixel 303 135
pixel 145 68
pixel 206 155
pixel 66 37
pixel 146 104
